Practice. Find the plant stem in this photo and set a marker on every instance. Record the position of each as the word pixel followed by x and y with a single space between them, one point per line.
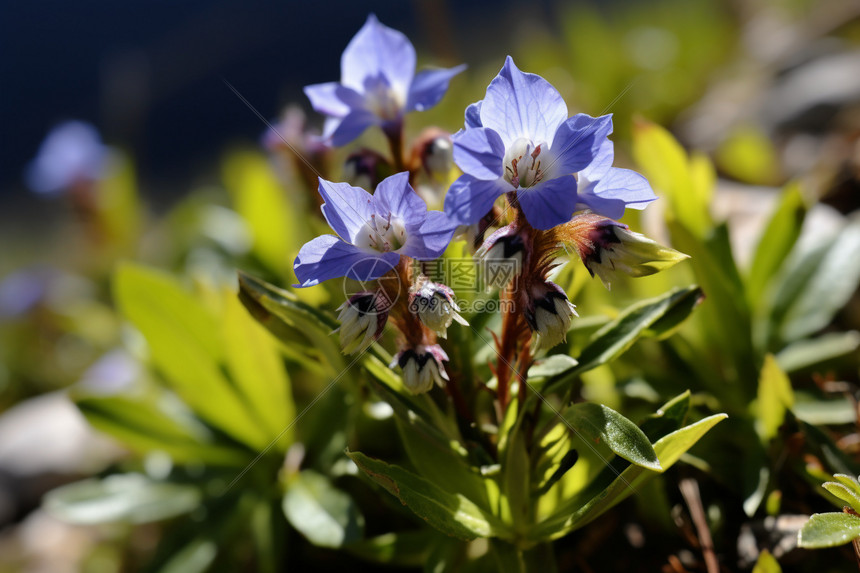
pixel 394 134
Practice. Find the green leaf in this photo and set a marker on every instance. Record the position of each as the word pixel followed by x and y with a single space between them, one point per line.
pixel 617 336
pixel 257 370
pixel 196 557
pixel 828 530
pixel 817 286
pixel 144 426
pixel 326 516
pixel 401 549
pixel 450 513
pixel 668 418
pixel 610 487
pixel 766 563
pixel 844 493
pixel 665 164
pixel 807 354
pixel 121 498
pixel 597 422
pixel 748 154
pixel 185 346
pixel 297 324
pixel 261 201
pixel 775 396
pixel 776 241
pixel 552 365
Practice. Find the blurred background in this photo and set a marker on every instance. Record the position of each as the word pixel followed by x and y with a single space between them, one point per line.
pixel 768 90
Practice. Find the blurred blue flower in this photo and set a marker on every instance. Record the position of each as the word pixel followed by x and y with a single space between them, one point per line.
pixel 72 153
pixel 373 231
pixel 24 289
pixel 519 138
pixel 378 84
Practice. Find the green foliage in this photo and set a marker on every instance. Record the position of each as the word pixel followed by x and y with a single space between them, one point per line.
pixel 829 530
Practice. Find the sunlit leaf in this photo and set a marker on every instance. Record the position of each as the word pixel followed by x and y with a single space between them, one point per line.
pixel 776 241
pixel 325 515
pixel 618 335
pixel 766 563
pixel 450 513
pixel 258 372
pixel 600 423
pixel 828 530
pixel 143 426
pixel 185 346
pixel 121 498
pixel 601 495
pixel 775 396
pixel 665 164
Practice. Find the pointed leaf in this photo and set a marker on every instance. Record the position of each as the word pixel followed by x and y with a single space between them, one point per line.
pixel 775 396
pixel 450 513
pixel 184 344
pixel 597 423
pixel 617 336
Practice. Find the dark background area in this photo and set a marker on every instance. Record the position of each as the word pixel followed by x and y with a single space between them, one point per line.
pixel 148 73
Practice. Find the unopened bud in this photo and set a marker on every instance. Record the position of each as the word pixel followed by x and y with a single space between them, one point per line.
pixel 362 320
pixel 365 168
pixel 435 306
pixel 422 366
pixel 501 256
pixel 607 247
pixel 548 314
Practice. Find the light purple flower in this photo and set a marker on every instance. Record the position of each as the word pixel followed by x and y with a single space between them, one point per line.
pixel 378 84
pixel 520 138
pixel 71 153
pixel 373 232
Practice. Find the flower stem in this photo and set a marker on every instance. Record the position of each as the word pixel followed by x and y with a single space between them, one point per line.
pixel 394 134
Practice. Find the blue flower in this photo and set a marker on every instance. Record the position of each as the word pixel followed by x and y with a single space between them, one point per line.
pixel 519 138
pixel 72 153
pixel 378 84
pixel 373 232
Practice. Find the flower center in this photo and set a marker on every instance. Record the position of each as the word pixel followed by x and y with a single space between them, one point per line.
pixel 525 163
pixel 382 99
pixel 381 234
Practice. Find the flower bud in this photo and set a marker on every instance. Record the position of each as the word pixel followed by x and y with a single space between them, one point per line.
pixel 421 367
pixel 365 168
pixel 501 256
pixel 606 247
pixel 435 306
pixel 362 319
pixel 548 314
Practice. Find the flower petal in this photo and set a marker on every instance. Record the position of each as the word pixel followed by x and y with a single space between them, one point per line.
pixel 432 238
pixel 602 162
pixel 333 99
pixel 549 204
pixel 522 105
pixel 395 195
pixel 618 189
pixel 351 126
pixel 328 257
pixel 578 141
pixel 473 115
pixel 375 50
pixel 346 208
pixel 479 152
pixel 429 86
pixel 469 199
